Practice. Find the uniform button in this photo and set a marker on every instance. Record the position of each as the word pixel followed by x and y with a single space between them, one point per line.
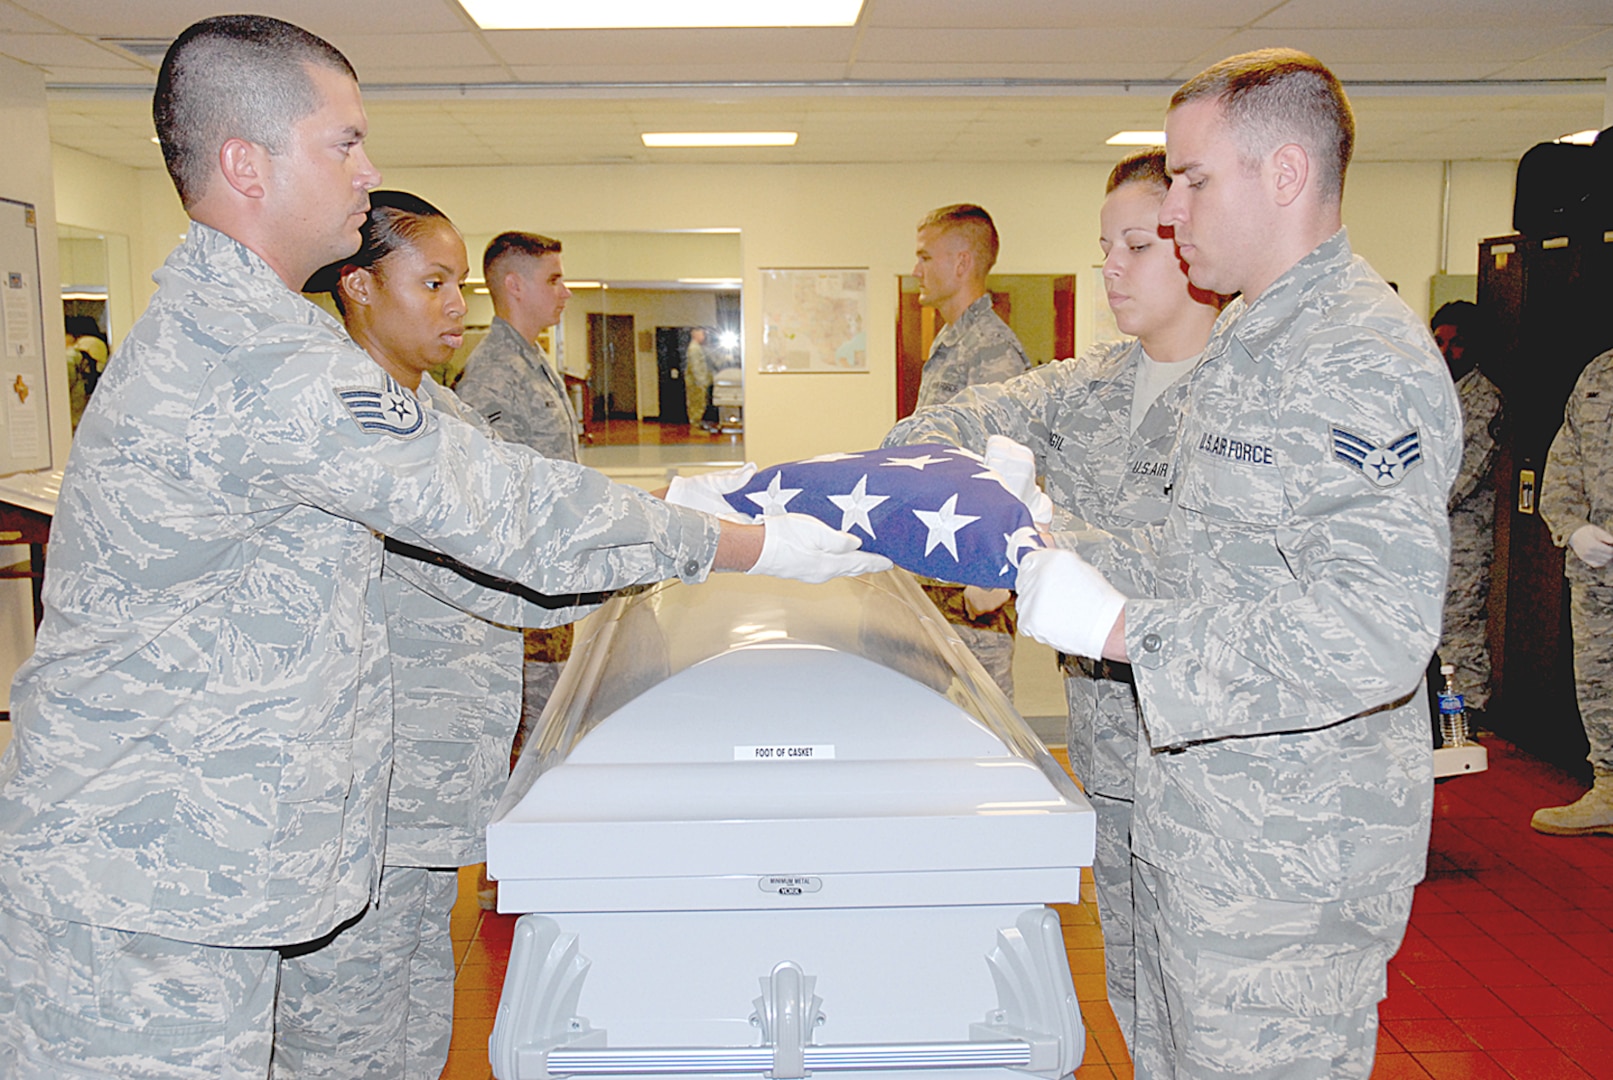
pixel 691 568
pixel 1151 643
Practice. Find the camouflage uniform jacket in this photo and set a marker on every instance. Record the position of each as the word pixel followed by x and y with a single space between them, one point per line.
pixel 456 695
pixel 1075 415
pixel 1299 582
pixel 1577 489
pixel 977 348
pixel 1481 417
pixel 512 384
pixel 203 735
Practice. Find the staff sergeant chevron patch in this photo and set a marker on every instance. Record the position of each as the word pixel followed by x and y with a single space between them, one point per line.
pixel 391 410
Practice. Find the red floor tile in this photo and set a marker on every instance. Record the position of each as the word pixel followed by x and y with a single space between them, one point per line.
pixel 1421 1036
pixel 1397 1067
pixel 1571 1033
pixel 1463 1065
pixel 1503 1033
pixel 1538 1065
pixel 1426 975
pixel 1538 1000
pixel 1461 1001
pixel 1504 972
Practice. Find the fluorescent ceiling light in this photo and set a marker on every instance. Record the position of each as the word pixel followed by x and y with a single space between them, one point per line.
pixel 575 285
pixel 1136 138
pixel 709 281
pixel 631 14
pixel 1583 138
pixel 719 138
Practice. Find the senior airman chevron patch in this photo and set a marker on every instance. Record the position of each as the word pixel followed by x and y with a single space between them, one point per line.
pixel 1384 466
pixel 391 410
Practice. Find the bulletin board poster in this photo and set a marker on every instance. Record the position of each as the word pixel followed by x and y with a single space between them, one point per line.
pixel 815 321
pixel 24 436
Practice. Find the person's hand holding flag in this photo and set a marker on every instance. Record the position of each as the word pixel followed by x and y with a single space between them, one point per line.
pixel 793 546
pixel 1066 603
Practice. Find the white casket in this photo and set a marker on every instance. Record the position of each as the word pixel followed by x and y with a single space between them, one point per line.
pixel 770 829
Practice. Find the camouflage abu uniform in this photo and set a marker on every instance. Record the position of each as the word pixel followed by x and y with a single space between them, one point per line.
pixel 1075 415
pixel 378 998
pixel 1577 490
pixel 512 384
pixel 1285 783
pixel 1472 507
pixel 204 731
pixel 696 381
pixel 976 348
pixel 517 391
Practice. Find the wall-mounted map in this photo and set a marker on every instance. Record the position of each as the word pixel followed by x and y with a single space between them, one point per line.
pixel 815 320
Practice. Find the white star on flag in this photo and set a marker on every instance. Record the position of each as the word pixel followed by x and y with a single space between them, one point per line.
pixel 918 463
pixel 993 474
pixel 776 499
pixel 854 506
pixel 943 525
pixel 1017 541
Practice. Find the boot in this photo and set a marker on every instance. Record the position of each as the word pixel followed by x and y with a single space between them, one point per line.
pixel 1593 813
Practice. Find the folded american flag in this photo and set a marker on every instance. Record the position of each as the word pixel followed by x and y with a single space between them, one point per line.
pixel 935 510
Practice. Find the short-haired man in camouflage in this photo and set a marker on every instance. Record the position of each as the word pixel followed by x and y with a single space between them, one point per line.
pixel 1576 502
pixel 1102 430
pixel 1460 330
pixel 203 734
pixel 516 388
pixel 1281 617
pixel 956 249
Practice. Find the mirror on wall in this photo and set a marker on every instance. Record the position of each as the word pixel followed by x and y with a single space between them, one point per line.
pixel 96 305
pixel 647 308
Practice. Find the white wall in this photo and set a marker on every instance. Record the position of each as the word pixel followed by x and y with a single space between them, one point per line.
pixel 25 174
pixel 825 216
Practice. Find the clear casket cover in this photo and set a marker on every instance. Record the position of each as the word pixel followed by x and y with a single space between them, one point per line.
pixel 754 743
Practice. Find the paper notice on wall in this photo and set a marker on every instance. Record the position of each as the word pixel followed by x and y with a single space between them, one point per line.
pixel 17 315
pixel 22 420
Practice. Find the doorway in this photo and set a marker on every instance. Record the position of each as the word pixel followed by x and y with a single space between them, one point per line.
pixel 612 372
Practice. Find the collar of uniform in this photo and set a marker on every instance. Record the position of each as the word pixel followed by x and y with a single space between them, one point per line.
pixel 217 258
pixel 503 333
pixel 971 314
pixel 1256 325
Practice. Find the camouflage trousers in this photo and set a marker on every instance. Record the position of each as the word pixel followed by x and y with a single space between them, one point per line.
pixel 81 1001
pixel 1102 740
pixel 1261 989
pixel 1463 640
pixel 990 637
pixel 1590 610
pixel 376 999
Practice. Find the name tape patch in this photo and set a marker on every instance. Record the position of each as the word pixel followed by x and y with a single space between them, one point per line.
pixel 1230 448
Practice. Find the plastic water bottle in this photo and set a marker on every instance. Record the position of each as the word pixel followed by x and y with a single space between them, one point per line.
pixel 1453 730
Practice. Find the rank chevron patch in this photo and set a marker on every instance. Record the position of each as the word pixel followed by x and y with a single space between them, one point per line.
pixel 1384 466
pixel 390 410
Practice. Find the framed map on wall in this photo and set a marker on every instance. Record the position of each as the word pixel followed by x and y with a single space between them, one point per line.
pixel 814 321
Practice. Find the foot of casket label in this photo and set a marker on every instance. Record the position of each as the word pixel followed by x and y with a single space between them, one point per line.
pixel 785 752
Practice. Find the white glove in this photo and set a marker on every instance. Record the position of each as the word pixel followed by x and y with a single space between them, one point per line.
pixel 802 548
pixel 1065 603
pixel 705 492
pixel 1015 465
pixel 1593 544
